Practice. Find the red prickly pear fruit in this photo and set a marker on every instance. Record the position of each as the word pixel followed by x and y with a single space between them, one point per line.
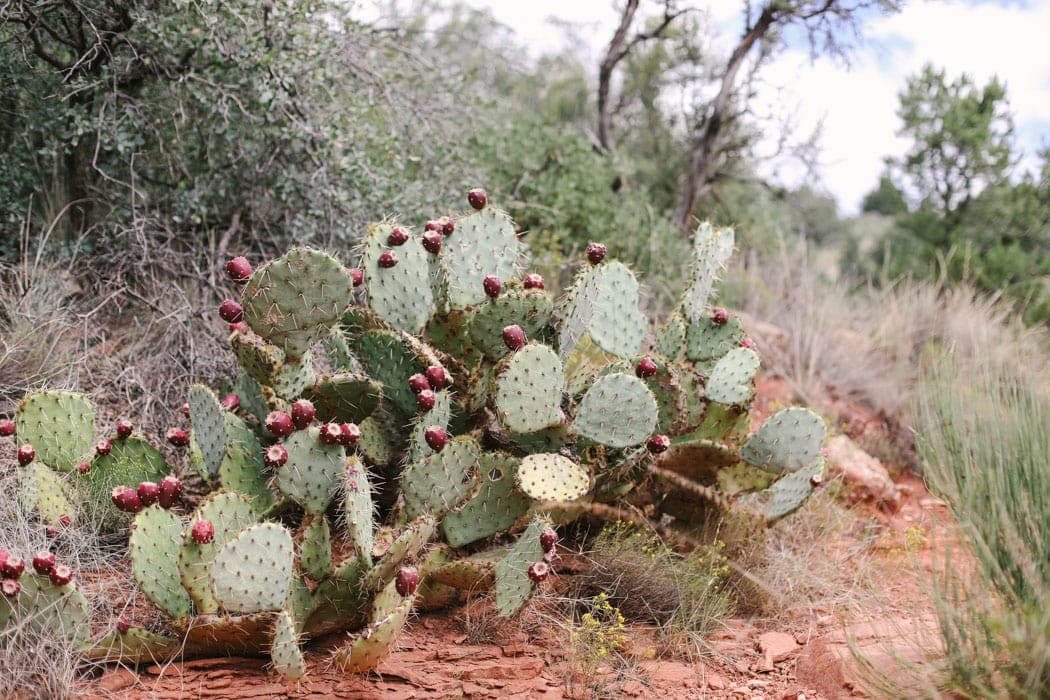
pixel 51 531
pixel 492 286
pixel 239 269
pixel 60 575
pixel 84 467
pixel 534 281
pixel 43 562
pixel 149 492
pixel 103 447
pixel 595 253
pixel 331 434
pixel 816 481
pixel 513 337
pixel 239 327
pixel 26 454
pixel 7 427
pixel 231 311
pixel 303 413
pixel 357 276
pixel 478 198
pixel 126 499
pixel 645 368
pixel 64 520
pixel 747 342
pixel 433 225
pixel 407 581
pixel 432 241
pixel 279 424
pixel 202 532
pixel 539 571
pixel 548 538
pixel 123 625
pixel 275 456
pixel 10 588
pixel 351 434
pixel 436 437
pixel 185 410
pixel 387 259
pixel 398 236
pixel 448 225
pixel 170 491
pixel 231 402
pixel 426 400
pixel 12 567
pixel 124 429
pixel 177 437
pixel 719 316
pixel 418 383
pixel 4 554
pixel 658 444
pixel 437 377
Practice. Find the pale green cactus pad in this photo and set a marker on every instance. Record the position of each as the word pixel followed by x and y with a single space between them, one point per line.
pixel 294 301
pixel 60 425
pixel 441 481
pixel 252 572
pixel 529 308
pixel 712 248
pixel 741 478
pixel 340 356
pixel 60 612
pixel 788 494
pixel 707 341
pixel 439 415
pixel 344 398
pixel 315 552
pixel 401 294
pixel 136 646
pixel 260 360
pixel 229 514
pixel 374 444
pixel 390 361
pixel 552 477
pixel 484 243
pixel 377 640
pixel 496 507
pixel 789 440
pixel 732 379
pixel 583 363
pixel 618 410
pixel 285 654
pixel 406 546
pixel 46 492
pixel 670 338
pixel 294 377
pixel 528 389
pixel 243 468
pixel 253 402
pixel 154 547
pixel 604 304
pixel 450 333
pixel 358 509
pixel 208 418
pixel 513 585
pixel 130 461
pixel 311 475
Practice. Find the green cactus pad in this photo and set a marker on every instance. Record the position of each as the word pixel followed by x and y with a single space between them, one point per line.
pixel 450 333
pixel 474 573
pixel 552 477
pixel 698 459
pixel 376 642
pixel 722 423
pixel 529 308
pixel 300 602
pixel 667 390
pixel 528 389
pixel 358 509
pixel 406 546
pixel 224 635
pixel 712 248
pixel 390 361
pixel 135 646
pixel 294 377
pixel 480 385
pixel 788 494
pixel 483 244
pixel 344 398
pixel 208 418
pixel 129 462
pixel 229 514
pixel 732 379
pixel 441 481
pixel 401 294
pixel 604 304
pixel 60 425
pixel 260 360
pixel 583 363
pixel 242 468
pixel 694 405
pixel 56 612
pixel 154 548
pixel 496 507
pixel 252 572
pixel 311 475
pixel 375 443
pixel 46 492
pixel 339 354
pixel 315 552
pixel 294 301
pixel 285 654
pixel 789 440
pixel 440 415
pixel 513 585
pixel 547 440
pixel 618 410
pixel 742 477
pixel 707 341
pixel 253 401
pixel 670 338
pixel 432 595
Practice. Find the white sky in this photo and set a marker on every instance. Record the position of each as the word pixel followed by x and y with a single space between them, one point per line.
pixel 858 103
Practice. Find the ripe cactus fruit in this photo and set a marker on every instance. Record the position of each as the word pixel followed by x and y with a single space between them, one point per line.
pixel 239 327
pixel 170 491
pixel 177 437
pixel 350 434
pixel 84 467
pixel 123 625
pixel 492 286
pixel 126 499
pixel 432 241
pixel 60 575
pixel 426 400
pixel 12 567
pixel 747 342
pixel 203 532
pixel 534 281
pixel 10 588
pixel 388 259
pixel 437 377
pixel 645 368
pixel 436 437
pixel 148 492
pixel 658 444
pixel 397 236
pixel 7 427
pixel 357 276
pixel 418 383
pixel 303 413
pixel 433 225
pixel 539 571
pixel 231 312
pixel 103 447
pixel 514 337
pixel 26 454
pixel 448 225
pixel 231 402
pixel 331 434
pixel 719 315
pixel 548 539
pixel 595 252
pixel 124 428
pixel 478 198
pixel 276 456
pixel 239 269
pixel 43 562
pixel 185 410
pixel 64 520
pixel 407 580
pixel 279 424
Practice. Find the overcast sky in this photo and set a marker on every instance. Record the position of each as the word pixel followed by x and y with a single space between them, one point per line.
pixel 858 103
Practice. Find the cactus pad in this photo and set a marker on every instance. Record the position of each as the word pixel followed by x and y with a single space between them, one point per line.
pixel 135 646
pixel 528 389
pixel 401 294
pixel 285 654
pixel 483 244
pixel 552 477
pixel 229 514
pixel 707 341
pixel 294 377
pixel 208 418
pixel 376 641
pixel 253 571
pixel 242 467
pixel 44 490
pixel 513 585
pixel 712 248
pixel 618 410
pixel 55 611
pixel 670 338
pixel 339 354
pixel 440 415
pixel 529 308
pixel 60 425
pixel 315 552
pixel 733 376
pixel 474 573
pixel 311 475
pixel 407 545
pixel 357 507
pixel 154 548
pixel 496 507
pixel 441 481
pixel 130 461
pixel 344 398
pixel 789 440
pixel 390 361
pixel 375 443
pixel 788 494
pixel 260 360
pixel 604 305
